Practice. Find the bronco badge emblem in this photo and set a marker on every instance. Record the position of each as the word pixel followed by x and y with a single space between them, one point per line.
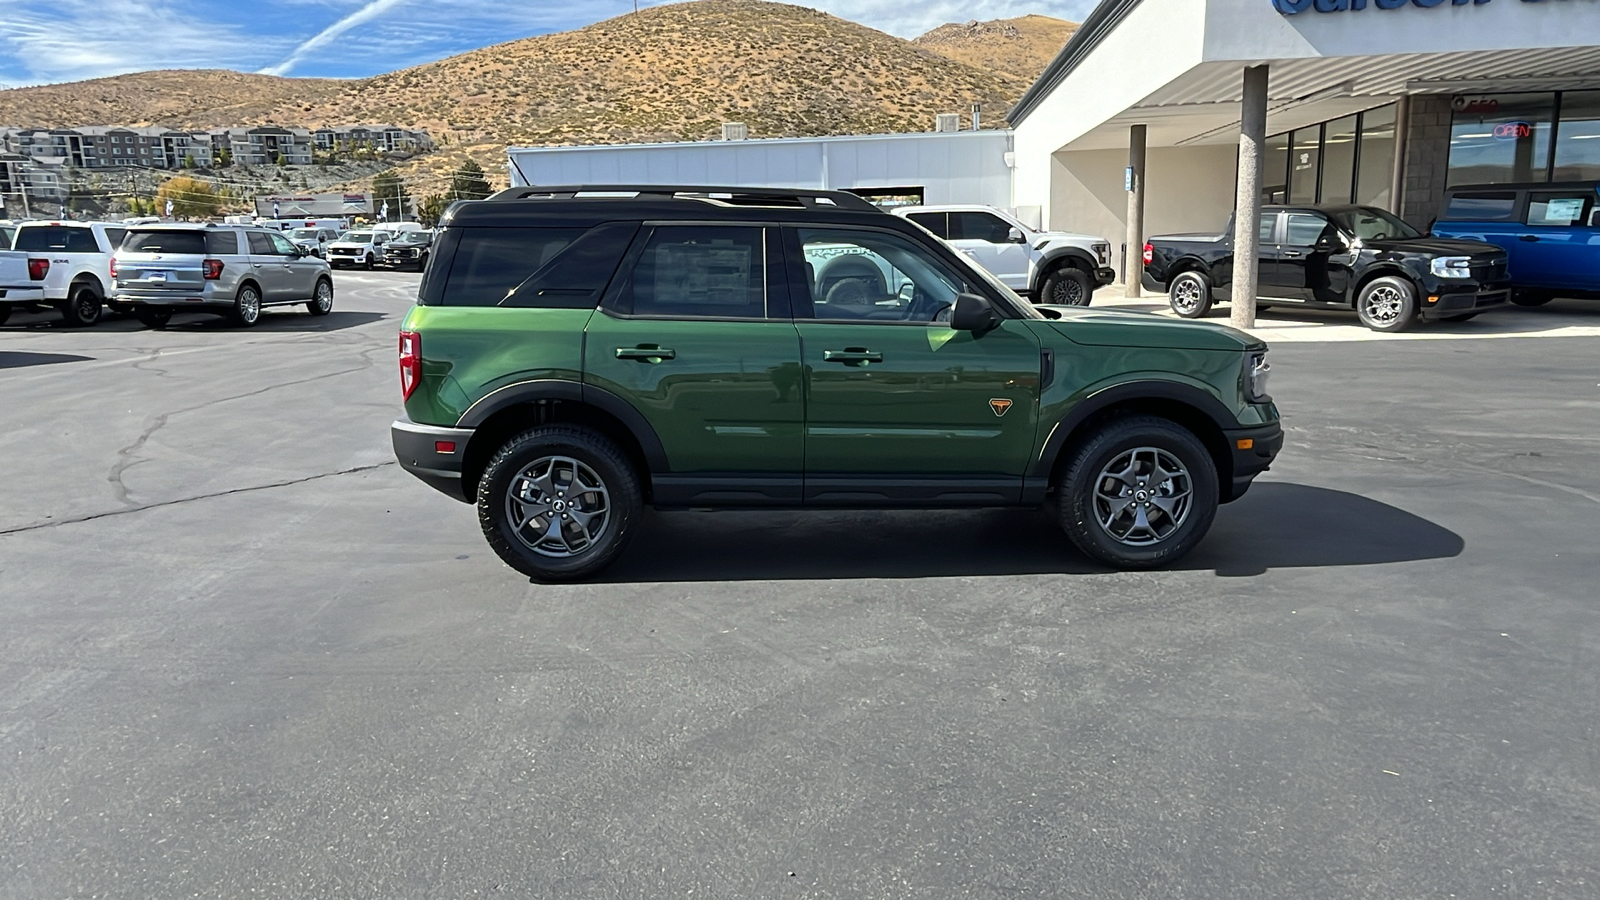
pixel 999 406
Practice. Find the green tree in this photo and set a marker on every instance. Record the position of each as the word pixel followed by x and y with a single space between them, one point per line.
pixel 469 183
pixel 430 209
pixel 391 188
pixel 280 160
pixel 224 158
pixel 190 197
pixel 188 162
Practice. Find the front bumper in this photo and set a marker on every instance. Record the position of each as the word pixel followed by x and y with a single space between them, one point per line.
pixel 1253 450
pixel 1445 299
pixel 1104 276
pixel 432 453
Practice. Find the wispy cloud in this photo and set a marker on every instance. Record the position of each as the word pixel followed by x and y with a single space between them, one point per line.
pixel 326 36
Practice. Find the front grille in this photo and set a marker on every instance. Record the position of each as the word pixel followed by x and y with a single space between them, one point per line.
pixel 1491 271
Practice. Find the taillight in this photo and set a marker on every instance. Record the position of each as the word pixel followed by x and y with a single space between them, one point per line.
pixel 410 362
pixel 38 269
pixel 113 267
pixel 1149 254
pixel 211 269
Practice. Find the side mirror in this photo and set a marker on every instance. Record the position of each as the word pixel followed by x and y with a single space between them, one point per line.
pixel 1016 236
pixel 973 313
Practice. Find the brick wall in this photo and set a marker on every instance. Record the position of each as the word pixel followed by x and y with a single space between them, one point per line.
pixel 1427 156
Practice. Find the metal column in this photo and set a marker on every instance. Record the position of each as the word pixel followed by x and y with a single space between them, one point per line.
pixel 1247 207
pixel 1134 264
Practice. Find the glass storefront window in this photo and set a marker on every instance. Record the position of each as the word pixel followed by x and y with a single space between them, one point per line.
pixel 1275 170
pixel 1339 160
pixel 1305 160
pixel 1578 139
pixel 1375 172
pixel 1500 138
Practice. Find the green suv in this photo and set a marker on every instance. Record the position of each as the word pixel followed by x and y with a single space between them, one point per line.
pixel 578 353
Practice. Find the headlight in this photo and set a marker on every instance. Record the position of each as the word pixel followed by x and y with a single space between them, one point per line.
pixel 1102 252
pixel 1256 372
pixel 1452 267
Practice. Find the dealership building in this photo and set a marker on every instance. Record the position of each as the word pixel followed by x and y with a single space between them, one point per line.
pixel 1384 102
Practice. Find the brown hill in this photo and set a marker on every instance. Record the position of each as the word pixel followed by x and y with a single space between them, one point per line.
pixel 1016 49
pixel 184 98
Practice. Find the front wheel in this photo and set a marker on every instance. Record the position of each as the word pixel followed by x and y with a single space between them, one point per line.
pixel 247 306
pixel 1387 304
pixel 1189 295
pixel 82 307
pixel 559 502
pixel 1067 286
pixel 322 301
pixel 368 262
pixel 1140 493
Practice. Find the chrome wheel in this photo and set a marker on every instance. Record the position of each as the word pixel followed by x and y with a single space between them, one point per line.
pixel 322 304
pixel 1186 295
pixel 558 506
pixel 1384 305
pixel 1143 496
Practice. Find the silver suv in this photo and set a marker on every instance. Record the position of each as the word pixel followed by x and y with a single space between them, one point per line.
pixel 234 270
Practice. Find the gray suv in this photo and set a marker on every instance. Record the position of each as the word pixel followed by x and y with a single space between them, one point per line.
pixel 233 270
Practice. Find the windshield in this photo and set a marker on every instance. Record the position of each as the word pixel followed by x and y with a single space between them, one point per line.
pixel 1370 224
pixel 357 237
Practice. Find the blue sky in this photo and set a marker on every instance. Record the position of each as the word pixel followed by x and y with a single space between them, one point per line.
pixel 47 41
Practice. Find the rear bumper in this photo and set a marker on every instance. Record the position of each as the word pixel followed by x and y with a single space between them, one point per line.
pixel 1253 451
pixel 174 299
pixel 433 454
pixel 1150 284
pixel 10 295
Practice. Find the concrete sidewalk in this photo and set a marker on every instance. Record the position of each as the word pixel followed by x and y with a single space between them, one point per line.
pixel 1560 318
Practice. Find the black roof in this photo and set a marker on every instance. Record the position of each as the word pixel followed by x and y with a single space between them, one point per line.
pixel 597 203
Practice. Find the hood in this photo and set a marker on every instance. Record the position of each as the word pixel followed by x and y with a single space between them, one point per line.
pixel 1433 246
pixel 1126 328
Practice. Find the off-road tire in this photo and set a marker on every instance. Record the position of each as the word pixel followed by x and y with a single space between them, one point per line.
pixel 246 306
pixel 1067 285
pixel 1189 294
pixel 593 450
pixel 83 306
pixel 1077 491
pixel 1388 304
pixel 153 318
pixel 321 304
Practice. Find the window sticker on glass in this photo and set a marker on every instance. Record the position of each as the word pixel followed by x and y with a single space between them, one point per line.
pixel 706 275
pixel 1563 211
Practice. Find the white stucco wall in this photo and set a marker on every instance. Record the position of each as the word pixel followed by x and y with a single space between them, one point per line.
pixel 1187 189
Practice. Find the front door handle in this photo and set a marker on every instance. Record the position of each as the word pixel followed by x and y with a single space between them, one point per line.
pixel 1293 254
pixel 1530 238
pixel 646 353
pixel 852 355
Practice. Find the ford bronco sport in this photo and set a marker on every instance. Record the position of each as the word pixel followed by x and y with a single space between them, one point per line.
pixel 577 353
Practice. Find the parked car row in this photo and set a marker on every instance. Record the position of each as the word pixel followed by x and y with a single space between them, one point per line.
pixel 369 248
pixel 156 270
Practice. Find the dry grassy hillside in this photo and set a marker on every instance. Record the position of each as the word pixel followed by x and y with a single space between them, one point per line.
pixel 186 98
pixel 1017 49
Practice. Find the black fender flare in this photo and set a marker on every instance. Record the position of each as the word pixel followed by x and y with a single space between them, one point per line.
pixel 521 392
pixel 1154 389
pixel 1080 258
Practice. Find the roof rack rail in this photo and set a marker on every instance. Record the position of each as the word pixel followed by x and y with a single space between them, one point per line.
pixel 736 196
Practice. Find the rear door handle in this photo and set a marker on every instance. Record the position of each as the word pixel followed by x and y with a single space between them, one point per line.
pixel 646 353
pixel 1530 238
pixel 852 355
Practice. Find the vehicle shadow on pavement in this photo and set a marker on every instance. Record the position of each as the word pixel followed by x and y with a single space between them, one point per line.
pixel 1276 525
pixel 19 359
pixel 293 318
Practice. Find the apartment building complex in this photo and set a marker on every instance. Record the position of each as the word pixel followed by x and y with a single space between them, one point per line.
pixel 105 147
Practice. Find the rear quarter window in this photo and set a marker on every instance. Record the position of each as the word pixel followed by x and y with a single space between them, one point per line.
pixel 565 268
pixel 1496 206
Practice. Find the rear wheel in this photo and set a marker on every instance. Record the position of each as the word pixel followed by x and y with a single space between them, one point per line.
pixel 1387 304
pixel 154 318
pixel 1067 286
pixel 1531 298
pixel 247 306
pixel 83 306
pixel 1140 493
pixel 559 502
pixel 1189 295
pixel 322 301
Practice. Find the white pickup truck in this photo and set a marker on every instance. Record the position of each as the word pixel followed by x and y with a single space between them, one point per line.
pixel 21 281
pixel 78 279
pixel 1049 266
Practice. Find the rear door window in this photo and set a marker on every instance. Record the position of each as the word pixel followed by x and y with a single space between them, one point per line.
pixel 1487 206
pixel 222 243
pixel 1267 228
pixel 170 242
pixel 702 271
pixel 61 238
pixel 1560 210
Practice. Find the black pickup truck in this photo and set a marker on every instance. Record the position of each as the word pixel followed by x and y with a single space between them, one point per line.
pixel 1336 257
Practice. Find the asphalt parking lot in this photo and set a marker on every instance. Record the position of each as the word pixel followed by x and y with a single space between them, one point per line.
pixel 242 653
